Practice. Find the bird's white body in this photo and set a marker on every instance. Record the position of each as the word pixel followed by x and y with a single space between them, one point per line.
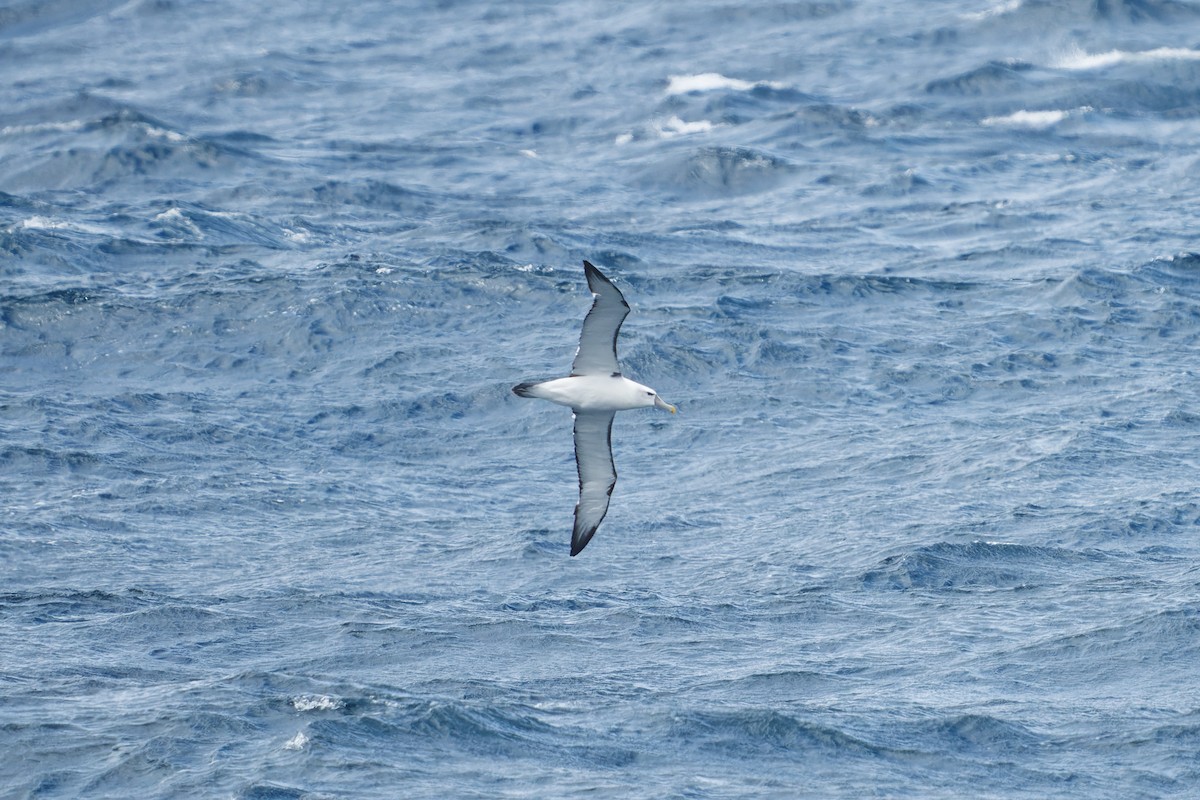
pixel 596 393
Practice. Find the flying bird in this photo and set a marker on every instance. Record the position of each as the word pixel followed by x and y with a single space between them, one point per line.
pixel 595 390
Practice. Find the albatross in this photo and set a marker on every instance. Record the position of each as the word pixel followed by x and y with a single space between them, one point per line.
pixel 595 391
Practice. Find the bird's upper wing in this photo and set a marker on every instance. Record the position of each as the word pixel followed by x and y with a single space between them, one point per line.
pixel 597 354
pixel 597 474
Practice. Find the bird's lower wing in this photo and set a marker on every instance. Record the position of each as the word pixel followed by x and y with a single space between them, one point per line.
pixel 597 474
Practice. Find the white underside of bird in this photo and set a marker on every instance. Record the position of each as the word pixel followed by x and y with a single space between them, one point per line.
pixel 597 393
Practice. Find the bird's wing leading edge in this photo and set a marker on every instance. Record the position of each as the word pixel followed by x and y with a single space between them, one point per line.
pixel 597 474
pixel 597 353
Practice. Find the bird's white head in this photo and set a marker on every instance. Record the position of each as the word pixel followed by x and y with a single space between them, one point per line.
pixel 652 399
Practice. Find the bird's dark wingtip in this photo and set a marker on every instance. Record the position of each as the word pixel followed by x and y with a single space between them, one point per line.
pixel 580 541
pixel 598 282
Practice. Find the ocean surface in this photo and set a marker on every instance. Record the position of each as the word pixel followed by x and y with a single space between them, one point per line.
pixel 923 279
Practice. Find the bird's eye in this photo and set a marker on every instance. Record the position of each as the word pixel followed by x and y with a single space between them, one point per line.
pixel 649 394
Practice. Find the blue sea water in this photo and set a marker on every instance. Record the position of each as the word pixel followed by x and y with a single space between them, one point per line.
pixel 923 279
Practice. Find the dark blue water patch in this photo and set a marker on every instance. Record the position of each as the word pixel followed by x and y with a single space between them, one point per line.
pixel 167 757
pixel 377 195
pixel 119 150
pixel 782 683
pixel 1162 519
pixel 42 461
pixel 1034 17
pixel 799 12
pixel 989 80
pixel 739 107
pixel 474 728
pixel 764 731
pixel 838 127
pixel 718 172
pixel 1141 11
pixel 32 18
pixel 1176 274
pixel 274 791
pixel 903 182
pixel 987 735
pixel 1159 645
pixel 980 566
pixel 56 605
pixel 1137 98
pixel 185 222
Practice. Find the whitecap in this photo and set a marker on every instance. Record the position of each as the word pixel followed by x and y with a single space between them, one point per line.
pixel 677 127
pixel 299 237
pixel 1079 60
pixel 176 217
pixel 998 10
pixel 310 702
pixel 711 81
pixel 665 129
pixel 170 215
pixel 40 223
pixel 297 742
pixel 1036 120
pixel 41 127
pixel 163 133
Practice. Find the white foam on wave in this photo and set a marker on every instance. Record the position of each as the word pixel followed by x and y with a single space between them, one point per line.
pixel 310 702
pixel 998 10
pixel 297 742
pixel 40 223
pixel 1080 60
pixel 41 127
pixel 1031 120
pixel 176 217
pixel 163 133
pixel 677 127
pixel 173 215
pixel 712 81
pixel 669 128
pixel 297 236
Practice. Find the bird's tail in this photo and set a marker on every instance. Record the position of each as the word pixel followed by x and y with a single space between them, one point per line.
pixel 524 390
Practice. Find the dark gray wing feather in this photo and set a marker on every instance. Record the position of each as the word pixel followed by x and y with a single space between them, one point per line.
pixel 597 354
pixel 597 474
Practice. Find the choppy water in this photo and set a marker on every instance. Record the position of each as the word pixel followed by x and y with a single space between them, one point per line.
pixel 922 279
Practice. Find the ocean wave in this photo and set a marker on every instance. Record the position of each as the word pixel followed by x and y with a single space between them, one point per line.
pixel 713 81
pixel 720 171
pixel 993 78
pixel 1033 120
pixel 119 147
pixel 47 605
pixel 759 730
pixel 978 566
pixel 1158 644
pixel 1082 60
